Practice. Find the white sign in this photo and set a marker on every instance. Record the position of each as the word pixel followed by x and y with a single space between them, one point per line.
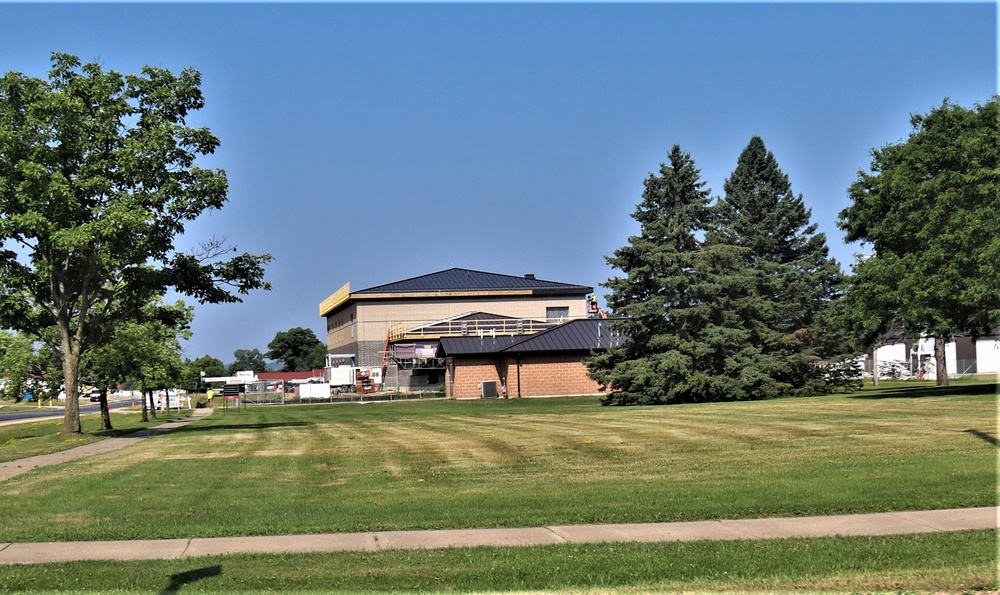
pixel 246 375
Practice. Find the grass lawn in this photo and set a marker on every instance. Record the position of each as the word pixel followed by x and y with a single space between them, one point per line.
pixel 27 439
pixel 530 462
pixel 517 463
pixel 964 561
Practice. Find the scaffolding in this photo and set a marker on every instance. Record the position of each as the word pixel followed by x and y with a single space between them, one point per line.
pixel 466 327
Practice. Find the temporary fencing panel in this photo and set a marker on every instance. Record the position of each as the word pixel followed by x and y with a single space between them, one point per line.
pixel 264 392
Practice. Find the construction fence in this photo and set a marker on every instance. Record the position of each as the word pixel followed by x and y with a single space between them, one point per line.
pixel 280 392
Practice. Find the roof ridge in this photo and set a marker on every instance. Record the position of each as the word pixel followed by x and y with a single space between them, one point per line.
pixel 461 279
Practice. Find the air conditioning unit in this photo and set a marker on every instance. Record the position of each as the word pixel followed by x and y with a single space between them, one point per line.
pixel 488 389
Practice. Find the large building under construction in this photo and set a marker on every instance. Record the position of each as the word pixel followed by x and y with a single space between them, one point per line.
pixel 398 327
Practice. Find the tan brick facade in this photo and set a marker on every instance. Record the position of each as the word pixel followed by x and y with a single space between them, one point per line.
pixel 368 322
pixel 420 310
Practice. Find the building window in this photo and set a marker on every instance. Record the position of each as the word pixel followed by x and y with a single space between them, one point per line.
pixel 557 314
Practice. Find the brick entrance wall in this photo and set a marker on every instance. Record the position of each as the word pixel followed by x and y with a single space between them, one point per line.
pixel 537 376
pixel 468 373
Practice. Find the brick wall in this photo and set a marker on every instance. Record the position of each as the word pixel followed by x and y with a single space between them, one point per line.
pixel 548 375
pixel 464 377
pixel 536 376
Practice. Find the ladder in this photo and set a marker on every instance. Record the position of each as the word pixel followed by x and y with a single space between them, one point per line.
pixel 385 355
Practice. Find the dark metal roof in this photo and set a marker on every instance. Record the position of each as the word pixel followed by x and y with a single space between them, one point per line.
pixel 466 280
pixel 575 335
pixel 475 345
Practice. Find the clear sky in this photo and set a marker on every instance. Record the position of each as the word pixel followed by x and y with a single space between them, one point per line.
pixel 369 143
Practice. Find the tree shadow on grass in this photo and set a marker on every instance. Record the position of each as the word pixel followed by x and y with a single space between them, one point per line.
pixel 238 426
pixel 117 433
pixel 917 392
pixel 184 578
pixel 985 437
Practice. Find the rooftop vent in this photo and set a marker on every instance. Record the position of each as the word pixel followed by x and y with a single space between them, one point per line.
pixel 529 276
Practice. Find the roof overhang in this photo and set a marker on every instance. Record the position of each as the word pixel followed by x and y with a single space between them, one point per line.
pixel 336 298
pixel 339 299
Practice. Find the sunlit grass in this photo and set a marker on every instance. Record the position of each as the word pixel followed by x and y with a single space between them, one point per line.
pixel 28 439
pixel 530 462
pixel 953 562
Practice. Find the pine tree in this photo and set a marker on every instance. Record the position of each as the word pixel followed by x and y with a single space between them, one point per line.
pixel 789 283
pixel 743 313
pixel 659 313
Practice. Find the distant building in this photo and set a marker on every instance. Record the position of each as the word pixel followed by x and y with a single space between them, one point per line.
pixel 399 326
pixel 963 355
pixel 289 376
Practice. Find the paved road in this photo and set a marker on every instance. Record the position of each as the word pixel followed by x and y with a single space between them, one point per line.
pixel 56 412
pixel 890 523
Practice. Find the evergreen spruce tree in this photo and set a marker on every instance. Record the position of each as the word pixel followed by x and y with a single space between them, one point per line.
pixel 789 284
pixel 660 316
pixel 745 314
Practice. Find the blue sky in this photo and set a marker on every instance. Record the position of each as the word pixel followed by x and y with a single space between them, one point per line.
pixel 368 143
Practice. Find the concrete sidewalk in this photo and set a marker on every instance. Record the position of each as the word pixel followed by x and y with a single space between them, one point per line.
pixel 14 468
pixel 890 523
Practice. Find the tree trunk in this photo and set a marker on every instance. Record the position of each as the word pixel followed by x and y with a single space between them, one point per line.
pixel 940 364
pixel 71 412
pixel 152 404
pixel 105 413
pixel 145 410
pixel 875 366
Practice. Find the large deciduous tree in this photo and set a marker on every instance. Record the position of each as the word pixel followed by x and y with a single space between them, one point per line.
pixel 928 209
pixel 298 349
pixel 248 359
pixel 98 176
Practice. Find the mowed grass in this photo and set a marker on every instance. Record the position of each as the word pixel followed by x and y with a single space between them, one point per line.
pixel 955 562
pixel 529 462
pixel 28 439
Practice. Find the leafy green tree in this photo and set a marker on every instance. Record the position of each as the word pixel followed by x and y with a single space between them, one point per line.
pixel 147 353
pixel 27 366
pixel 248 359
pixel 16 353
pixel 928 209
pixel 211 366
pixel 298 349
pixel 98 176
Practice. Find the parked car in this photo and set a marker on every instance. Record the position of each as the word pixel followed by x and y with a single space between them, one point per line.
pixel 95 395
